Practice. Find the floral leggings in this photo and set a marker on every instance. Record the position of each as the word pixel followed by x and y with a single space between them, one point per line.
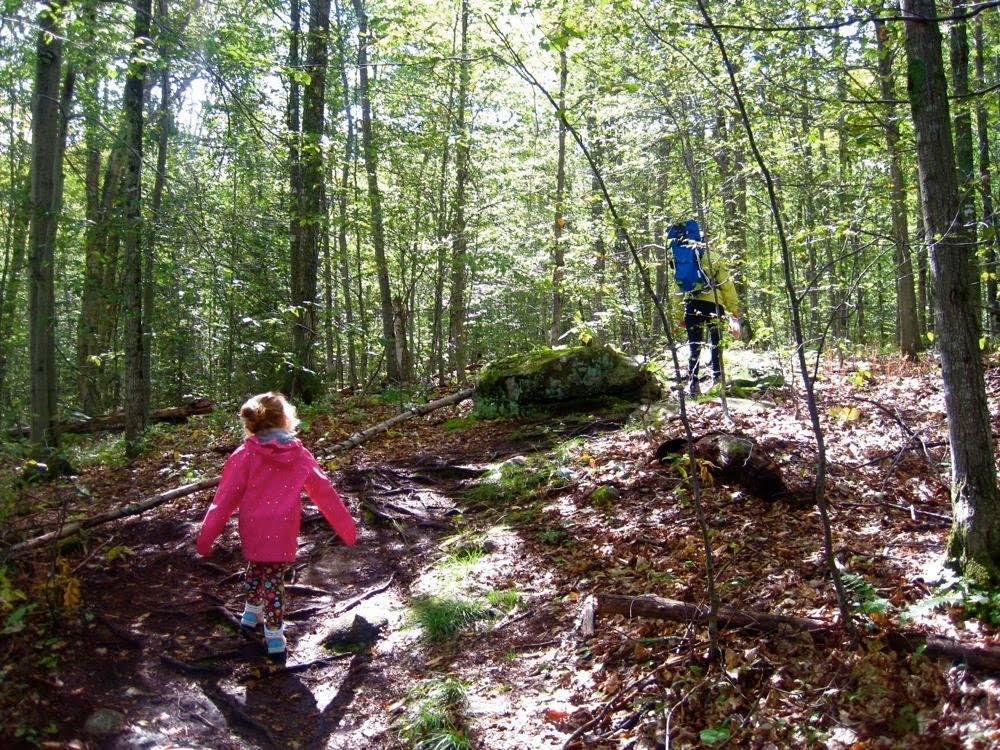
pixel 265 585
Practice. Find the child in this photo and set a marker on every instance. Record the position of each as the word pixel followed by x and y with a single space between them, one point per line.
pixel 263 478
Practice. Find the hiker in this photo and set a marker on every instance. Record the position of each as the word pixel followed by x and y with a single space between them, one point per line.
pixel 706 295
pixel 263 478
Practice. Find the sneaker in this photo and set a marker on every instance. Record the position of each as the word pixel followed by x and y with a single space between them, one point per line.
pixel 694 389
pixel 251 618
pixel 276 644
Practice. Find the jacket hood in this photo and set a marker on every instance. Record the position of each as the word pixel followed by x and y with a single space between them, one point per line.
pixel 280 451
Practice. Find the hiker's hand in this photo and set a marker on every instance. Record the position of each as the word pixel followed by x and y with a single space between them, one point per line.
pixel 734 326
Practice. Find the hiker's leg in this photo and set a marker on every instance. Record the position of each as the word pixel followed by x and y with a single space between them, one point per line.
pixel 254 607
pixel 715 338
pixel 274 609
pixel 694 324
pixel 273 588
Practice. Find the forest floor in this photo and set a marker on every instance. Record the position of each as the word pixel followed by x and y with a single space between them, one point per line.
pixel 142 639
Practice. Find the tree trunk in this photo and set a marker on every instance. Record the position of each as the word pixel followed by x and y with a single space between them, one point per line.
pixel 343 251
pixel 308 205
pixel 459 239
pixel 559 221
pixel 375 197
pixel 974 546
pixel 10 289
pixel 46 167
pixel 163 125
pixel 908 336
pixel 964 144
pixel 986 185
pixel 136 391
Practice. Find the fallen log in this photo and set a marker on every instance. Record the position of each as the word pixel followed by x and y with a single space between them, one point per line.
pixel 107 422
pixel 672 609
pixel 986 658
pixel 132 509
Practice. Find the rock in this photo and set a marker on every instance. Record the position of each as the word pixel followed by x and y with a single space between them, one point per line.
pixel 352 633
pixel 104 721
pixel 561 375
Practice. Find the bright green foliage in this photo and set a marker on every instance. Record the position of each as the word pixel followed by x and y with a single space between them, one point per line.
pixel 433 718
pixel 975 602
pixel 443 619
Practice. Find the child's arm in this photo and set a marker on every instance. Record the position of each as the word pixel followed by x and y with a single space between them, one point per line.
pixel 321 491
pixel 227 497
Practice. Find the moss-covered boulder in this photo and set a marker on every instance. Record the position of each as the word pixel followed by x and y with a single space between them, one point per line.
pixel 559 375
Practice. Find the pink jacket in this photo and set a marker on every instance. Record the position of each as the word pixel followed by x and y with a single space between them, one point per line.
pixel 264 480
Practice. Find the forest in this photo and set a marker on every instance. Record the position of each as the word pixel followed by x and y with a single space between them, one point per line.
pixel 367 205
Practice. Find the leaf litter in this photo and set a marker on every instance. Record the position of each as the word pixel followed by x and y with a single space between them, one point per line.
pixel 140 625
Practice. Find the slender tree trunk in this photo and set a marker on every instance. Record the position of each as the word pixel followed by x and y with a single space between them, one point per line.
pixel 136 389
pixel 10 290
pixel 559 222
pixel 459 239
pixel 163 125
pixel 990 224
pixel 964 143
pixel 908 336
pixel 974 546
pixel 370 150
pixel 343 251
pixel 46 168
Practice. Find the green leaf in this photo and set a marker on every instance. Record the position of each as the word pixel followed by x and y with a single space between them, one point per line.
pixel 714 735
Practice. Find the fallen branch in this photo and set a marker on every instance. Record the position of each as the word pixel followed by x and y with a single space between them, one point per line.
pixel 986 658
pixel 139 507
pixel 126 510
pixel 359 437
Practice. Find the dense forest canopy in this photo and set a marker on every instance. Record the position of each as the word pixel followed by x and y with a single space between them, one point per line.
pixel 480 213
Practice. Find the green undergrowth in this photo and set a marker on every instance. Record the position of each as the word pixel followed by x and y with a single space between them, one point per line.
pixel 967 600
pixel 434 717
pixel 525 479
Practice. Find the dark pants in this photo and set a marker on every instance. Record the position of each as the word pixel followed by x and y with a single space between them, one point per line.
pixel 703 322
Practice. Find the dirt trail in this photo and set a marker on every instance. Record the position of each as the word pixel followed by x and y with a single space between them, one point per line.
pixel 162 651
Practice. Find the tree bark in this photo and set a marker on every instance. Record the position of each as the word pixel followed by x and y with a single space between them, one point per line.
pixel 370 150
pixel 343 251
pixel 309 201
pixel 908 336
pixel 974 545
pixel 986 184
pixel 46 168
pixel 459 239
pixel 559 220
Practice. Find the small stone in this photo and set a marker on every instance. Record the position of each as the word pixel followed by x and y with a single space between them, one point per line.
pixel 104 721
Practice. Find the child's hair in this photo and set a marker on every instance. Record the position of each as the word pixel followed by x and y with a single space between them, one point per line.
pixel 267 411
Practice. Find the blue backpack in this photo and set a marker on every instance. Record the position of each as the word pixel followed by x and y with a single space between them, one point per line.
pixel 687 248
